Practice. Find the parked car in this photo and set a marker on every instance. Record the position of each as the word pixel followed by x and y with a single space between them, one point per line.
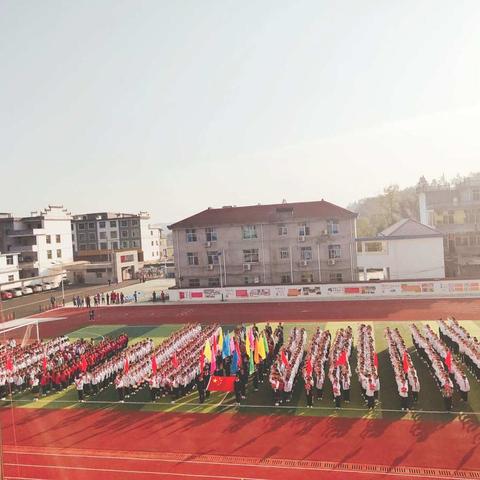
pixel 37 288
pixel 27 290
pixel 6 295
pixel 46 286
pixel 17 292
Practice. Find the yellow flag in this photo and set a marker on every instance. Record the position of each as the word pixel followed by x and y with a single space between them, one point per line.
pixel 261 349
pixel 207 351
pixel 248 347
pixel 220 339
pixel 256 352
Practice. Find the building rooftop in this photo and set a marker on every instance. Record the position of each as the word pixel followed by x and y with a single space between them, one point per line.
pixel 252 214
pixel 408 227
pixel 109 216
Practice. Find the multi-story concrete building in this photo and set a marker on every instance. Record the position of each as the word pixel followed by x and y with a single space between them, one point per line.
pixel 454 210
pixel 42 240
pixel 117 231
pixel 287 243
pixel 9 270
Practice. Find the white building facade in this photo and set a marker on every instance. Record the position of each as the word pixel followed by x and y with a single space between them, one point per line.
pixel 9 270
pixel 42 240
pixel 406 250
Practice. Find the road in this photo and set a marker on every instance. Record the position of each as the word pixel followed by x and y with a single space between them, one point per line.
pixel 33 303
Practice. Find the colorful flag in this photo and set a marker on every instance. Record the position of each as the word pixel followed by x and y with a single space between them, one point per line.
pixel 220 384
pixel 251 366
pixel 9 364
pixel 308 367
pixel 207 351
pixel 226 346
pixel 342 359
pixel 234 367
pixel 214 346
pixel 256 354
pixel 44 364
pixel 213 364
pixel 175 360
pixel 126 365
pixel 232 343
pixel 406 366
pixel 84 365
pixel 448 360
pixel 265 344
pixel 154 364
pixel 262 352
pixel 375 359
pixel 239 354
pixel 284 359
pixel 220 339
pixel 248 346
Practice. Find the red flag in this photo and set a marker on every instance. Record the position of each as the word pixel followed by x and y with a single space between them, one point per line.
pixel 308 367
pixel 154 364
pixel 202 361
pixel 44 364
pixel 220 384
pixel 84 365
pixel 9 363
pixel 342 359
pixel 239 355
pixel 284 359
pixel 175 360
pixel 406 366
pixel 375 359
pixel 448 360
pixel 214 345
pixel 126 366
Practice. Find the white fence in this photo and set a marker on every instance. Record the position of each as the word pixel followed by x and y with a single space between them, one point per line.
pixel 440 288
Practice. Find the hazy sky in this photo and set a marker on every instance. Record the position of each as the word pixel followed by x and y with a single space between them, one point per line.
pixel 175 106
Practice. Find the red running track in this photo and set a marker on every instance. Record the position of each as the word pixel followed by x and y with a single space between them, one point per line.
pixel 72 444
pixel 234 313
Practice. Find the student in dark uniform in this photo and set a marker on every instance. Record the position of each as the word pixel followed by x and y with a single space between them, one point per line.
pixel 309 391
pixel 237 388
pixel 201 388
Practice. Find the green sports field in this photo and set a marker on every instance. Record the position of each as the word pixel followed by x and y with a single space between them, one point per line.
pixel 430 403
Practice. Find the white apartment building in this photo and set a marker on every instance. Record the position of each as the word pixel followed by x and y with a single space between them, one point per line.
pixel 117 231
pixel 404 251
pixel 43 240
pixel 9 270
pixel 287 243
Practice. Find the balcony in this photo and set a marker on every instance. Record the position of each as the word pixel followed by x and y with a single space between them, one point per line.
pixel 23 248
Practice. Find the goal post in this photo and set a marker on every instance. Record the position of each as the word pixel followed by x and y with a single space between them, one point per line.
pixel 23 330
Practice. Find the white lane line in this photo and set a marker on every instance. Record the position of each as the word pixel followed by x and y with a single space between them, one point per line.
pixel 137 472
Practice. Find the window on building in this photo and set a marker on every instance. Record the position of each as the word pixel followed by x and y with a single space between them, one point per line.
pixel 192 258
pixel 49 254
pixel 332 226
pixel 359 247
pixel 58 238
pixel 59 253
pixel 103 246
pixel 134 222
pixel 285 278
pixel 115 245
pixel 214 281
pixel 212 258
pixel 247 280
pixel 103 235
pixel 73 237
pixel 451 217
pixel 307 277
pixel 135 233
pixel 91 226
pixel 124 223
pixel 191 235
pixel 113 234
pixel 81 226
pixel 134 243
pixel 9 259
pixel 91 237
pixel 306 253
pixel 250 256
pixel 476 194
pixel 211 234
pixel 124 233
pixel 113 224
pixel 81 237
pixel 48 239
pixel 193 282
pixel 334 251
pixel 249 232
pixel 152 243
pixel 336 277
pixel 282 230
pixel 303 230
pixel 99 274
pixel 11 278
pixel 284 253
pixel 101 224
pixel 125 244
pixel 92 246
pixel 373 247
pixel 82 247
